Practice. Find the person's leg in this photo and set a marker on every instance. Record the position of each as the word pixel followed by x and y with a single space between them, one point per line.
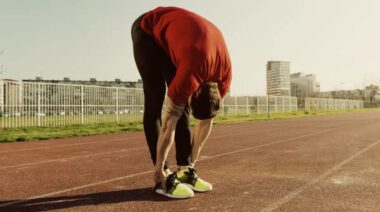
pixel 187 175
pixel 183 130
pixel 148 57
pixel 152 62
pixel 183 139
pixel 155 67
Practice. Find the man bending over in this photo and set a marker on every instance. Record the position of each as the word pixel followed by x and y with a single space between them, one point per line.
pixel 179 49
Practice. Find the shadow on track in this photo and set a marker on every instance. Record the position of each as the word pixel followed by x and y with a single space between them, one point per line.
pixel 65 202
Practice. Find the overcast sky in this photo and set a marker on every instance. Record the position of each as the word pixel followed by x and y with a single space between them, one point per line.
pixel 337 40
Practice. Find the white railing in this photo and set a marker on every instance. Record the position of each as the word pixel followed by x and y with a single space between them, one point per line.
pixel 45 104
pixel 332 104
pixel 26 104
pixel 243 105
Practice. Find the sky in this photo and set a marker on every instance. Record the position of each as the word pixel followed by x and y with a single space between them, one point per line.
pixel 337 40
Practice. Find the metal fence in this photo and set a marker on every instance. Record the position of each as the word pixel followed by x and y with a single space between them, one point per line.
pixel 243 105
pixel 332 104
pixel 26 104
pixel 45 104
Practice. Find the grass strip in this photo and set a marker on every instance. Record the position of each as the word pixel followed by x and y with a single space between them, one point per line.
pixel 44 133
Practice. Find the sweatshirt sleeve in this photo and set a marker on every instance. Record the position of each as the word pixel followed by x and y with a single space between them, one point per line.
pixel 184 84
pixel 224 84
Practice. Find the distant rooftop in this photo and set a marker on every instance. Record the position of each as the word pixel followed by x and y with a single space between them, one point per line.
pixel 92 81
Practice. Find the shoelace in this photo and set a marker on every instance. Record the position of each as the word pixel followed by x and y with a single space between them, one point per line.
pixel 171 181
pixel 191 173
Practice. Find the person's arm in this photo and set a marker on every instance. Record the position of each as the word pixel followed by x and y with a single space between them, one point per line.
pixel 201 132
pixel 166 137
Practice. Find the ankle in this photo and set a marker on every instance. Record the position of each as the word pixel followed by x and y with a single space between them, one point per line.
pixel 167 171
pixel 181 168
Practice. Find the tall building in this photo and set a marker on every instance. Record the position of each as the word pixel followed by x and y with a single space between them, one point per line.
pixel 278 80
pixel 303 86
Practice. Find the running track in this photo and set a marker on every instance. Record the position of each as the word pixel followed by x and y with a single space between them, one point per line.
pixel 325 163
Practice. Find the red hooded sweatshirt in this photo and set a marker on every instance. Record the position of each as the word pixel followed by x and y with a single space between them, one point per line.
pixel 195 46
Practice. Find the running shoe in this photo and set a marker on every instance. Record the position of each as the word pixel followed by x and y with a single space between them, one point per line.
pixel 174 188
pixel 190 178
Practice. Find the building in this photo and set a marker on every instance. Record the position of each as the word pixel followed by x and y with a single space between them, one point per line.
pixel 10 96
pixel 278 79
pixel 304 86
pixel 92 81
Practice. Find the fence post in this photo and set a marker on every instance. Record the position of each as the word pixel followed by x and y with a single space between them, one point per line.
pixel 258 105
pixel 1 98
pixel 222 106
pixel 117 105
pixel 247 106
pixel 19 105
pixel 82 104
pixel 268 109
pixel 235 105
pixel 39 104
pixel 307 104
pixel 318 104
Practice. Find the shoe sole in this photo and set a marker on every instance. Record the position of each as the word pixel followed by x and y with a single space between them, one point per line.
pixel 195 189
pixel 160 191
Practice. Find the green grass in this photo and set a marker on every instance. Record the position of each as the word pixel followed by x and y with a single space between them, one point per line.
pixel 279 116
pixel 43 133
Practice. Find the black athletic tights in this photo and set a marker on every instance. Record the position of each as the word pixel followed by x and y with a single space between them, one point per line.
pixel 157 70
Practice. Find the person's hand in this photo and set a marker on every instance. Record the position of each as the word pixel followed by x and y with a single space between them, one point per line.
pixel 160 177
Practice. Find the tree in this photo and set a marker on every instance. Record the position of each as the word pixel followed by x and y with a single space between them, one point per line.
pixel 372 91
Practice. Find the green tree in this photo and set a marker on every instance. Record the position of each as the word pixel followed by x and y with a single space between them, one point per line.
pixel 373 90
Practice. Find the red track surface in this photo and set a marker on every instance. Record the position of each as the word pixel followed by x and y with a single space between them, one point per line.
pixel 326 163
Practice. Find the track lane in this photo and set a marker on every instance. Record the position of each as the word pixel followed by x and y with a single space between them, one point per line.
pixel 118 192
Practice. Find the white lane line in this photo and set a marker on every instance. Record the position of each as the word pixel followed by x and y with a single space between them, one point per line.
pixel 93 155
pixel 67 145
pixel 323 176
pixel 264 145
pixel 75 188
pixel 244 132
pixel 117 151
pixel 70 158
pixel 126 139
pixel 147 172
pixel 124 150
pixel 75 144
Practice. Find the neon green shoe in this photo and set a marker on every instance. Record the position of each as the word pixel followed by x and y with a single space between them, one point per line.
pixel 189 178
pixel 174 189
